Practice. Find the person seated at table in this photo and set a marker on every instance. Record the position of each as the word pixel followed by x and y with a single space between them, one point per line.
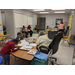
pixel 24 31
pixel 8 47
pixel 56 26
pixel 61 27
pixel 42 40
pixel 47 27
pixel 19 36
pixel 4 30
pixel 29 30
pixel 36 28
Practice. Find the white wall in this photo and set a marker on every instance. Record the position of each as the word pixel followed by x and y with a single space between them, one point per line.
pixel 28 14
pixel 1 21
pixel 3 18
pixel 52 18
pixel 9 22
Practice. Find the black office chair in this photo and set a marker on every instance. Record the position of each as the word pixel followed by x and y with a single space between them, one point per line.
pixel 53 47
pixel 65 32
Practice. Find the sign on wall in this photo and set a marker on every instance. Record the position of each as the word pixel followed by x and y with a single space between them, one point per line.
pixel 0 27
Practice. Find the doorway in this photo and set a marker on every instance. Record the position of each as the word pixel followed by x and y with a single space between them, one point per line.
pixel 42 23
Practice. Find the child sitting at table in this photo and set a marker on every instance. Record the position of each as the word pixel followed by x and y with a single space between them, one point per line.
pixel 5 51
pixel 19 36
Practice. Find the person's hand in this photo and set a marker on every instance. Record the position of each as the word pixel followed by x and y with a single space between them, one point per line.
pixel 18 47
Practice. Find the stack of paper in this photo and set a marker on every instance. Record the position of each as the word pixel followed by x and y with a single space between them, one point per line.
pixel 26 48
pixel 23 43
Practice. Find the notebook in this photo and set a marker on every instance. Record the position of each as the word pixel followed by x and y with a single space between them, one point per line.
pixel 33 51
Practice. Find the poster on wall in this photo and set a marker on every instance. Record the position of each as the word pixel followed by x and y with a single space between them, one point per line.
pixel 0 27
pixel 52 23
pixel 65 23
pixel 58 21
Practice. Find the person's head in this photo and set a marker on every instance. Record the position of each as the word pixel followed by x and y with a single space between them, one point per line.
pixel 23 26
pixel 41 33
pixel 61 22
pixel 29 26
pixel 18 34
pixel 15 41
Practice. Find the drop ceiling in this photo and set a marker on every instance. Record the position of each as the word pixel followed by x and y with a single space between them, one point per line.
pixel 67 11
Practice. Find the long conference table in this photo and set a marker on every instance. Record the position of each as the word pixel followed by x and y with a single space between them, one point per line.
pixel 22 54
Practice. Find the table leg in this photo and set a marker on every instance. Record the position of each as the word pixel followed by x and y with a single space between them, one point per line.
pixel 29 62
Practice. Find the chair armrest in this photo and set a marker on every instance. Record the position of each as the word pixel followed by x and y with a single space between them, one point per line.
pixel 43 50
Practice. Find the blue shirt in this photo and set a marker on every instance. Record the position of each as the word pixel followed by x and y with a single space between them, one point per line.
pixel 20 38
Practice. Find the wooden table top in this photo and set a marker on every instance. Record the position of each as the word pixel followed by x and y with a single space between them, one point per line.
pixel 23 53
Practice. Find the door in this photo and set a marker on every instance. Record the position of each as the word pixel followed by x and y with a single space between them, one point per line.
pixel 42 23
pixel 38 23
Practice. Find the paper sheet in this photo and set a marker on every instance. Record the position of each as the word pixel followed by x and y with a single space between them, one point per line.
pixel 26 47
pixel 23 43
pixel 32 44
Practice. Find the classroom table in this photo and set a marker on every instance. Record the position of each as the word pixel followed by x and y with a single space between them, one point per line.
pixel 5 35
pixel 23 53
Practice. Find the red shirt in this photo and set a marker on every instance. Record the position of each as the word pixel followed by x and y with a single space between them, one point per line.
pixel 6 49
pixel 28 28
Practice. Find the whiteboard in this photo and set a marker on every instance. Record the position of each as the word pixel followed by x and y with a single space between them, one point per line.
pixel 20 20
pixel 30 21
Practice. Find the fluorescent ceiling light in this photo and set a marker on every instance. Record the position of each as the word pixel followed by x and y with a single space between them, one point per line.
pixel 58 9
pixel 60 12
pixel 43 12
pixel 38 9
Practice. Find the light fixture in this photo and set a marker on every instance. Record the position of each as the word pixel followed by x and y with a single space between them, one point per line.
pixel 58 9
pixel 43 12
pixel 38 9
pixel 59 12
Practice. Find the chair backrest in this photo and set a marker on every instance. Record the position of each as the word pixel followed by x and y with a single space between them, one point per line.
pixel 55 43
pixel 65 32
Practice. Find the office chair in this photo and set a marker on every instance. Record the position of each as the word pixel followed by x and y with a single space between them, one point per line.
pixel 65 32
pixel 66 39
pixel 53 48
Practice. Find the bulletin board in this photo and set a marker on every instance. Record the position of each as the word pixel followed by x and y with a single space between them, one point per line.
pixel 58 21
pixel 20 20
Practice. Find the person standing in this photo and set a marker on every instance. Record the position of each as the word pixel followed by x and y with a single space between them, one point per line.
pixel 61 27
pixel 5 51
